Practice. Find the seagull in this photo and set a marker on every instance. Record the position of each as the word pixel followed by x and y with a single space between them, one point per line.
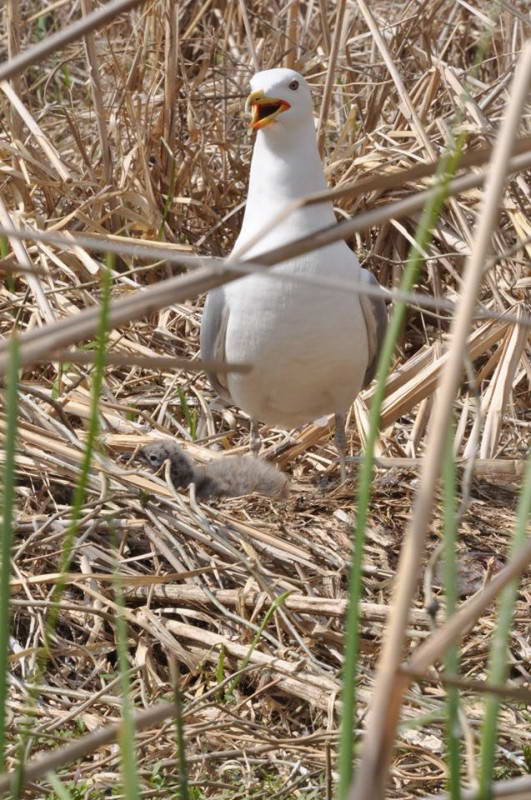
pixel 312 348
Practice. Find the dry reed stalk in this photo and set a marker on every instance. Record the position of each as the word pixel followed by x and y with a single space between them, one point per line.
pixel 327 94
pixel 23 258
pixel 171 50
pixel 314 689
pixel 381 725
pixel 97 95
pixel 249 35
pixel 130 581
pixel 383 181
pixel 481 687
pixel 424 379
pixel 196 19
pixel 291 34
pixel 87 744
pixel 309 605
pixel 496 397
pixel 325 28
pixel 48 149
pixel 436 645
pixel 154 248
pixel 127 246
pixel 147 362
pixel 513 789
pixel 58 40
pixel 13 48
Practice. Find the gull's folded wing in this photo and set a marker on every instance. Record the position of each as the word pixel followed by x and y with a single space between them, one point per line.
pixel 212 339
pixel 375 315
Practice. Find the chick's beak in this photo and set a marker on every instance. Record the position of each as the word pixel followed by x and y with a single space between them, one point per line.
pixel 264 109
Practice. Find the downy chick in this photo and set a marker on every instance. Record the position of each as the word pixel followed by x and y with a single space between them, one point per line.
pixel 232 476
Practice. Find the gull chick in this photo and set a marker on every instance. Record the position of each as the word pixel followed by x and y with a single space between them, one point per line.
pixel 230 476
pixel 312 349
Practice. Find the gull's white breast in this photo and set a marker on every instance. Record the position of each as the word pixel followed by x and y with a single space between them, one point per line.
pixel 308 344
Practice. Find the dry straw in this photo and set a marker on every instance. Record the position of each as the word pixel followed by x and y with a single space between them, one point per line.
pixel 124 140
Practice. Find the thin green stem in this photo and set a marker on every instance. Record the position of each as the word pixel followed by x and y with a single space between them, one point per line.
pixel 497 673
pixel 277 602
pixel 181 747
pixel 58 786
pixel 8 504
pixel 127 731
pixel 68 543
pixel 451 660
pixel 90 446
pixel 429 217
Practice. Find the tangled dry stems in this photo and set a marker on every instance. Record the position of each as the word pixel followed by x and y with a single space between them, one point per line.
pixel 171 83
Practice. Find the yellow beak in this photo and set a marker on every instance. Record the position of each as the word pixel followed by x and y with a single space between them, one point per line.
pixel 264 109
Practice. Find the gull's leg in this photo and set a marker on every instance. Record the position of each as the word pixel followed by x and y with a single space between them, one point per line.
pixel 255 442
pixel 341 444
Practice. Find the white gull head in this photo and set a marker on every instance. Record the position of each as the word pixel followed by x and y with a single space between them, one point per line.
pixel 280 100
pixel 286 164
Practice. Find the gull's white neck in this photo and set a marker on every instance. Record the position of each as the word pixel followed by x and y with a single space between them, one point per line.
pixel 285 166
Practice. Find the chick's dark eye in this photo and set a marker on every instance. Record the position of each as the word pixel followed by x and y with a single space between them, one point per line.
pixel 294 85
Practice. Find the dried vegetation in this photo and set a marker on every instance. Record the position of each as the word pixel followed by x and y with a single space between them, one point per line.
pixel 140 132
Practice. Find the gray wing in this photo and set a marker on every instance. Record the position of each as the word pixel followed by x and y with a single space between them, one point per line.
pixel 212 337
pixel 375 315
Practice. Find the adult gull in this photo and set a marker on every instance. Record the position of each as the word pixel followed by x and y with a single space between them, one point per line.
pixel 312 348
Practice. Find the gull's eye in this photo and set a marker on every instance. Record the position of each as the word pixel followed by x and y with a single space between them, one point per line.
pixel 294 85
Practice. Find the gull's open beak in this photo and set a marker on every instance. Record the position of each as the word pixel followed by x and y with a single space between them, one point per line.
pixel 264 109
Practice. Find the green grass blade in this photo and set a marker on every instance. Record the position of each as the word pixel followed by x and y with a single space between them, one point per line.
pixel 71 532
pixel 92 436
pixel 181 747
pixel 430 215
pixel 451 661
pixel 126 738
pixel 8 504
pixel 189 413
pixel 498 655
pixel 58 786
pixel 277 602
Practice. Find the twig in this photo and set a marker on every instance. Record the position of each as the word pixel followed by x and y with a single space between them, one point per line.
pixel 124 359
